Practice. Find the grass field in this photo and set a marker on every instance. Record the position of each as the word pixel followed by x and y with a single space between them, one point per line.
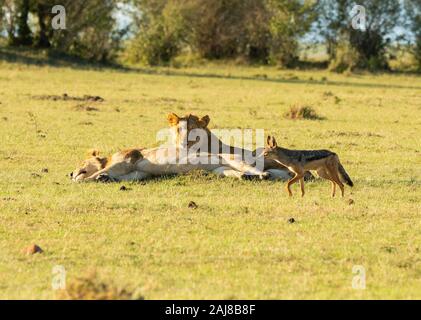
pixel 238 243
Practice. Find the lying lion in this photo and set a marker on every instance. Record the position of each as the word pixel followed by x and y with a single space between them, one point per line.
pixel 141 164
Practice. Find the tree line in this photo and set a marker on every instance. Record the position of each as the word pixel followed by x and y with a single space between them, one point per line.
pixel 90 26
pixel 255 31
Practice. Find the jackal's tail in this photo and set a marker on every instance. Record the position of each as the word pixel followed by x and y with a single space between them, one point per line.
pixel 344 176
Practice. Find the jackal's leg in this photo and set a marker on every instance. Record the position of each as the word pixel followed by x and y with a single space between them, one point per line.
pixel 333 189
pixel 292 181
pixel 325 175
pixel 335 177
pixel 302 186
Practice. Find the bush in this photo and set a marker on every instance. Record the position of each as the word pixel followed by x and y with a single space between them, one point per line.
pixel 346 59
pixel 160 37
pixel 250 30
pixel 288 21
pixel 417 52
pixel 153 47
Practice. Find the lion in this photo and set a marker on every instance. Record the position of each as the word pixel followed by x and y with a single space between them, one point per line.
pixel 181 127
pixel 138 164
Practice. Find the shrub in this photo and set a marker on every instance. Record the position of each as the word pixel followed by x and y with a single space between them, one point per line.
pixel 160 37
pixel 346 59
pixel 418 52
pixel 254 30
pixel 153 47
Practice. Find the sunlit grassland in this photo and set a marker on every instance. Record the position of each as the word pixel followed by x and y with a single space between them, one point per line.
pixel 238 243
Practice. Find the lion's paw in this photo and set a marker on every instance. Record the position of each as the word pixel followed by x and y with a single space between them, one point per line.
pixel 104 178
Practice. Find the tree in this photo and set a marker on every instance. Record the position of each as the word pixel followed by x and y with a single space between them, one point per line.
pixel 332 23
pixel 14 18
pixel 89 29
pixel 413 10
pixel 24 34
pixel 258 30
pixel 289 20
pixel 42 9
pixel 90 32
pixel 214 24
pixel 371 44
pixel 368 46
pixel 160 31
pixel 255 30
pixel 2 14
pixel 9 17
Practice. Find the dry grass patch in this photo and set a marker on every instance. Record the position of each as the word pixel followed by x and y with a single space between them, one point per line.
pixel 91 287
pixel 302 112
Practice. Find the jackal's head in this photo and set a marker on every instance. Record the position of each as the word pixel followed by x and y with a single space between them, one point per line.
pixel 93 164
pixel 270 151
pixel 181 127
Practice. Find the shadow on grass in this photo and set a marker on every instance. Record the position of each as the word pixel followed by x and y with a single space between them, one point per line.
pixel 48 58
pixel 277 80
pixel 196 176
pixel 59 60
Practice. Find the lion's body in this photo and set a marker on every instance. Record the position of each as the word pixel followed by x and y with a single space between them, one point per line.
pixel 141 164
pixel 183 128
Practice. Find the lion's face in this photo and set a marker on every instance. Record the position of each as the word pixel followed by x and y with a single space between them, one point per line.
pixel 88 167
pixel 182 128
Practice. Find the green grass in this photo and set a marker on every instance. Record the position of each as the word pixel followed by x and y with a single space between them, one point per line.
pixel 238 243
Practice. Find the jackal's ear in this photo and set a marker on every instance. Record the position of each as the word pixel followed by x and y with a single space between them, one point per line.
pixel 173 119
pixel 93 153
pixel 204 121
pixel 271 141
pixel 274 143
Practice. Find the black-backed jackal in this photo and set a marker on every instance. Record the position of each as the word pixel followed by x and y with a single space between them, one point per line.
pixel 325 162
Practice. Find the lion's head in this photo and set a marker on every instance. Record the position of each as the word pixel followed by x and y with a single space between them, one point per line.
pixel 182 127
pixel 88 167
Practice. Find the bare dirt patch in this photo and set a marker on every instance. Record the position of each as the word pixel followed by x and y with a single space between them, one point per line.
pixel 333 133
pixel 66 97
pixel 84 107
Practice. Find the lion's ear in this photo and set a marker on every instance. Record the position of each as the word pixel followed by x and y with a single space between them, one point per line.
pixel 173 119
pixel 204 121
pixel 93 153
